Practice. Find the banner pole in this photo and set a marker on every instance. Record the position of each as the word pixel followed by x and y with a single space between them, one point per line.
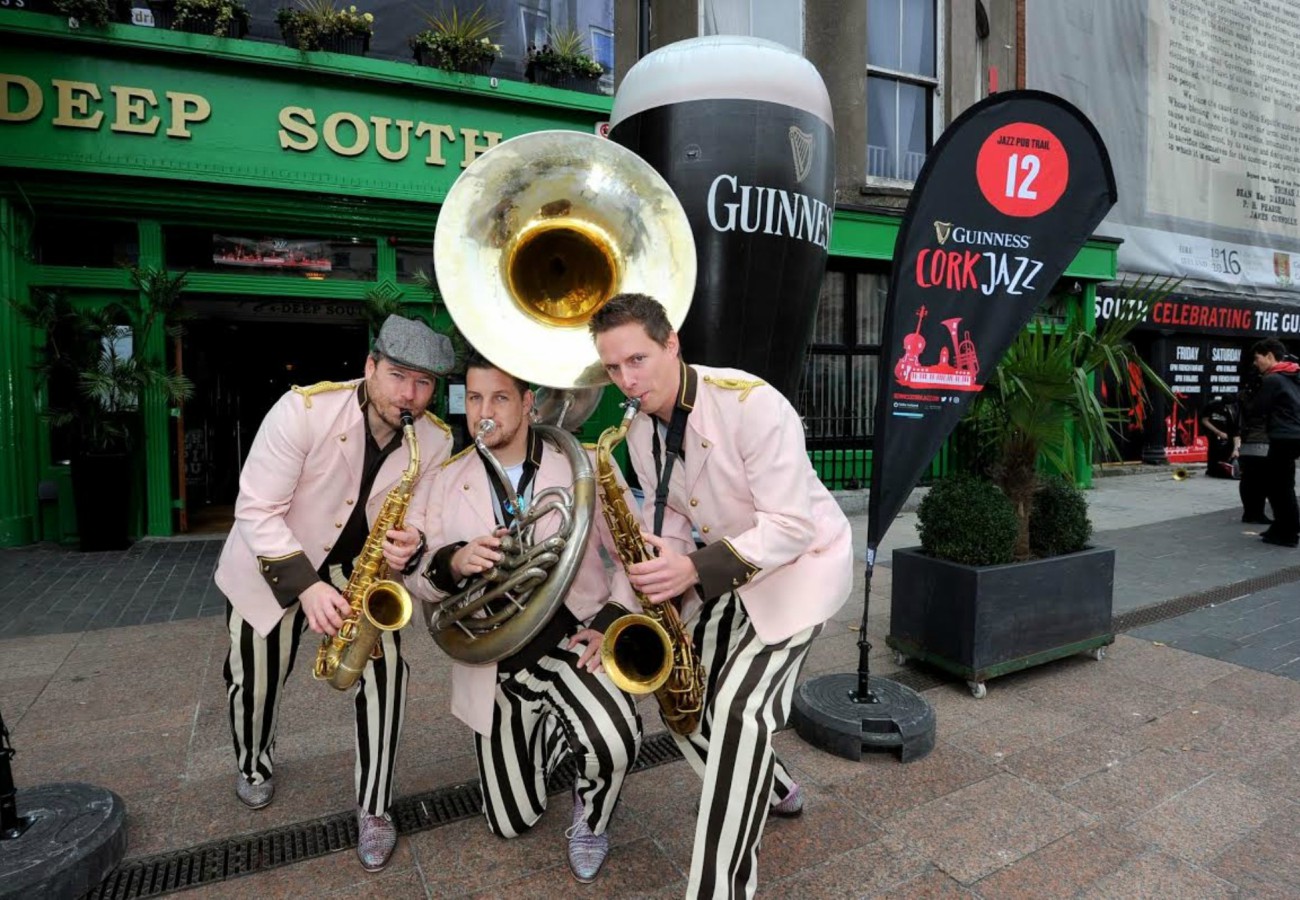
pixel 864 694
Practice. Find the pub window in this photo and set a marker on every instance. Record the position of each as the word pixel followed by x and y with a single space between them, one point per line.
pixel 902 77
pixel 842 374
pixel 284 256
pixel 535 27
pixel 414 257
pixel 76 241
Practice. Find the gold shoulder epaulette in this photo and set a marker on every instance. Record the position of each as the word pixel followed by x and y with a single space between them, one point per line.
pixel 735 384
pixel 446 429
pixel 321 387
pixel 450 460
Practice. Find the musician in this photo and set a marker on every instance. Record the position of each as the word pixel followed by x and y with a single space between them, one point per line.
pixel 720 452
pixel 320 468
pixel 553 693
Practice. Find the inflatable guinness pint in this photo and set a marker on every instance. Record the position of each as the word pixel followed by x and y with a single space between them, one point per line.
pixel 741 128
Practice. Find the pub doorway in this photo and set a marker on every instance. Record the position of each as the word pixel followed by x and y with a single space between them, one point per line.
pixel 240 366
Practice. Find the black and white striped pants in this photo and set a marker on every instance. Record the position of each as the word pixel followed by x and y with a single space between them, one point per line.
pixel 748 692
pixel 542 711
pixel 256 670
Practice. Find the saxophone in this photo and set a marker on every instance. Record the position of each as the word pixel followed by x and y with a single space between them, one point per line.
pixel 378 603
pixel 650 651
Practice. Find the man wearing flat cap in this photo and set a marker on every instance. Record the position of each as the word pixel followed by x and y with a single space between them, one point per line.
pixel 318 472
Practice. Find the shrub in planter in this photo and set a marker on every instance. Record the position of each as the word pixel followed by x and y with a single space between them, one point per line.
pixel 1058 519
pixel 457 43
pixel 563 62
pixel 323 25
pixel 967 520
pixel 223 18
pixel 87 13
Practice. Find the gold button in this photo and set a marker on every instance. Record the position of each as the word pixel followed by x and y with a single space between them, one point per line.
pixel 266 568
pixel 694 502
pixel 343 437
pixel 329 547
pixel 704 444
pixel 465 486
pixel 338 524
pixel 275 581
pixel 735 582
pixel 705 529
pixel 350 502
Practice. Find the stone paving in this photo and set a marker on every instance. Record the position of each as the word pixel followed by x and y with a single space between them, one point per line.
pixel 1160 771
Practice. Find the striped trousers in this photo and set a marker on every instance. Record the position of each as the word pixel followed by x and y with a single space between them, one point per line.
pixel 748 692
pixel 542 711
pixel 256 670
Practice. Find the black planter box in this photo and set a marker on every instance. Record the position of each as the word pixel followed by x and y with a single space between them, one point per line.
pixel 979 622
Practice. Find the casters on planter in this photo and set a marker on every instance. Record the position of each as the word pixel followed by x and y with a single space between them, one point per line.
pixel 1097 653
pixel 977 689
pixel 900 659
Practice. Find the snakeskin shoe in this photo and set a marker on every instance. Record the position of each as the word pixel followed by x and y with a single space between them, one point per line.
pixel 587 851
pixel 376 838
pixel 791 806
pixel 254 796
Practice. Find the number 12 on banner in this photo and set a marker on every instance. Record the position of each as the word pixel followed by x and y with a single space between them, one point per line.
pixel 1022 169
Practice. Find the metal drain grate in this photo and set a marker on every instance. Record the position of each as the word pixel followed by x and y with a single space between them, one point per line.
pixel 1190 602
pixel 217 861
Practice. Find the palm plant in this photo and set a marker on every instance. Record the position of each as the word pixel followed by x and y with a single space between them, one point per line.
pixel 457 43
pixel 1042 397
pixel 564 55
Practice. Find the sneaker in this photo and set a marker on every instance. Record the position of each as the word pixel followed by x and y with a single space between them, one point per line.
pixel 376 838
pixel 587 851
pixel 254 796
pixel 791 806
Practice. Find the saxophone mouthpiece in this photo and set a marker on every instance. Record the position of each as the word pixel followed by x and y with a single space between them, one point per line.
pixel 407 419
pixel 631 407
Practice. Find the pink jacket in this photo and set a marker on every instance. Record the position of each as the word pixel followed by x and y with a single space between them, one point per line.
pixel 458 505
pixel 298 487
pixel 772 531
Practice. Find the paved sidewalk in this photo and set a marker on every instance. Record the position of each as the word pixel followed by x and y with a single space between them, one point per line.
pixel 1160 771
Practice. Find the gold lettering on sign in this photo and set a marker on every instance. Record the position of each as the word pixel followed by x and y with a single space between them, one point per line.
pixel 187 108
pixel 301 122
pixel 437 132
pixel 331 129
pixel 73 96
pixel 472 149
pixel 131 112
pixel 35 99
pixel 404 127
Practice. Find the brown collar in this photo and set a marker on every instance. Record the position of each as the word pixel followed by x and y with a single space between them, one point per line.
pixel 690 381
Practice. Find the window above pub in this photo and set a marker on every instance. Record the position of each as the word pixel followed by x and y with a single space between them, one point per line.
pixel 774 20
pixel 902 81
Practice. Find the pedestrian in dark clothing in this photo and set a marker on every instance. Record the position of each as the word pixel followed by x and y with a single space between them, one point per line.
pixel 1219 417
pixel 1253 450
pixel 1279 399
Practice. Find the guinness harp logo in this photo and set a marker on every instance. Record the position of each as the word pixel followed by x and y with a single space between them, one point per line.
pixel 801 147
pixel 942 230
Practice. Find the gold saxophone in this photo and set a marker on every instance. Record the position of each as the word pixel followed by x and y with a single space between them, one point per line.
pixel 650 651
pixel 378 603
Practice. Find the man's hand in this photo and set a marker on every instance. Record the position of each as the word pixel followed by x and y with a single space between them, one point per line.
pixel 477 556
pixel 590 659
pixel 325 608
pixel 400 546
pixel 666 576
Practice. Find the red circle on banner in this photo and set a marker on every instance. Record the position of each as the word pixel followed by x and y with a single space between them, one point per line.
pixel 1022 169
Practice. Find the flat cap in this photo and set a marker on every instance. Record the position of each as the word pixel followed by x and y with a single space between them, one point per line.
pixel 413 345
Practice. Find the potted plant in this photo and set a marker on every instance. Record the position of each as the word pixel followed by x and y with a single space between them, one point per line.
pixel 95 356
pixel 563 62
pixel 222 18
pixel 457 43
pixel 92 13
pixel 324 25
pixel 1004 577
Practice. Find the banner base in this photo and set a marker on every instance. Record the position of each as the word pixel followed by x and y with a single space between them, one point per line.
pixel 827 715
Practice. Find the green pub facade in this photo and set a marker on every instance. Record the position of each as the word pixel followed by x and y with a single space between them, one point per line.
pixel 290 187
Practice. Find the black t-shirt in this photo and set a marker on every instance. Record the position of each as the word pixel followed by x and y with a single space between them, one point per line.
pixel 1223 416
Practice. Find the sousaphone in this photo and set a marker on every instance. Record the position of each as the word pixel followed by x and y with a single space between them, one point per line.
pixel 534 237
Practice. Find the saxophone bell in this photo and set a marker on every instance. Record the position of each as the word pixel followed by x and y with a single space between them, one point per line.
pixel 637 653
